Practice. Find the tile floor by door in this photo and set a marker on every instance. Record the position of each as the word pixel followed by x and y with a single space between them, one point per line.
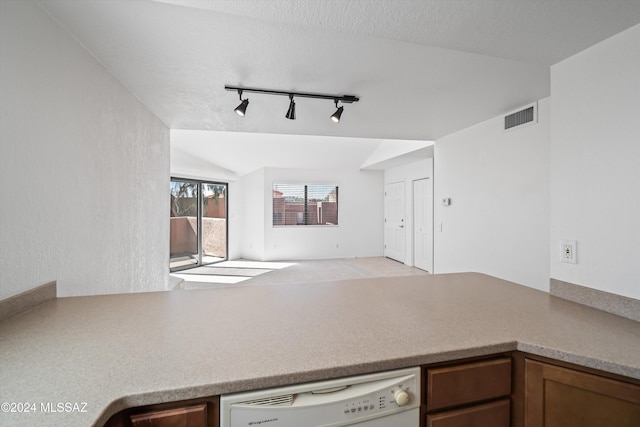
pixel 251 273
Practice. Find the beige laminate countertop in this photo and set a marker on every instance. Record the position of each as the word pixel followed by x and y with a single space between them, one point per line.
pixel 117 351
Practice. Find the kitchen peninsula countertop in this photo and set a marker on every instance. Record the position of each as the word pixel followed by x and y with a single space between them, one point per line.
pixel 116 351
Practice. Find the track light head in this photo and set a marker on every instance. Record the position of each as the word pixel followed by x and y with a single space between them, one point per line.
pixel 291 113
pixel 242 108
pixel 335 117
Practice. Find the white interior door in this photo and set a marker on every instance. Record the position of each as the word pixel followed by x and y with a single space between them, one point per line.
pixel 423 224
pixel 394 223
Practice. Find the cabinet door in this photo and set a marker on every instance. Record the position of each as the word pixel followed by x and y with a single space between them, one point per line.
pixel 189 416
pixel 494 414
pixel 561 397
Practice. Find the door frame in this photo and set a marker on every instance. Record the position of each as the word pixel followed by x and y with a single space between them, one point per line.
pixel 429 221
pixel 404 223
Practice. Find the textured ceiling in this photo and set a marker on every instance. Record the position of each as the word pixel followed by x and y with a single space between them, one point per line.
pixel 422 69
pixel 542 31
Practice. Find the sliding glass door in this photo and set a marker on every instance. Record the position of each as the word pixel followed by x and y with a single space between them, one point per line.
pixel 184 225
pixel 198 223
pixel 213 222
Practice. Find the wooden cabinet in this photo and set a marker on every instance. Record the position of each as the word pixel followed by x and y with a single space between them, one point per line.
pixel 202 412
pixel 561 397
pixel 469 394
pixel 493 414
pixel 187 416
pixel 468 383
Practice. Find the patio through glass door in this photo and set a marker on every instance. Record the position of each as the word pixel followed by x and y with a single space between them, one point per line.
pixel 198 223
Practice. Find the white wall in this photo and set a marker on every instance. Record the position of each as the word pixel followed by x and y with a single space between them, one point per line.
pixel 184 165
pixel 187 165
pixel 360 216
pixel 253 218
pixel 595 165
pixel 407 174
pixel 84 168
pixel 498 182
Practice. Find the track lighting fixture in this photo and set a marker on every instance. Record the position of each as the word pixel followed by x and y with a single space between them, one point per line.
pixel 335 117
pixel 242 108
pixel 291 112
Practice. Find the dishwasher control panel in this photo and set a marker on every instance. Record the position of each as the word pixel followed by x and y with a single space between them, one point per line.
pixel 340 402
pixel 383 400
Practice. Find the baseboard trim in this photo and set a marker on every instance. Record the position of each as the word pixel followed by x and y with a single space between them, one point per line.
pixel 24 301
pixel 605 301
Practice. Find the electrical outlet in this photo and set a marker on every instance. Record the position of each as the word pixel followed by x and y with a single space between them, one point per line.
pixel 569 251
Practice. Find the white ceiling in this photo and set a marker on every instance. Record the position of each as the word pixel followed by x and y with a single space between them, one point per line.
pixel 232 154
pixel 422 68
pixel 543 31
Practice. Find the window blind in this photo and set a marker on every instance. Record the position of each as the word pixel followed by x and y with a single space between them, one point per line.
pixel 305 205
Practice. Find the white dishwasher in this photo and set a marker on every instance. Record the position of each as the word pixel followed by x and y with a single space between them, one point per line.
pixel 381 399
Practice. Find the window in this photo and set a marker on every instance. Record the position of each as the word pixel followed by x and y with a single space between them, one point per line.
pixel 198 224
pixel 300 205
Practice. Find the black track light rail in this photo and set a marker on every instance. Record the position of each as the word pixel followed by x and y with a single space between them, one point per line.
pixel 347 99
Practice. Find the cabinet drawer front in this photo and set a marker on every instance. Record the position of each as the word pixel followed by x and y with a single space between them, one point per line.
pixel 189 416
pixel 472 382
pixel 494 414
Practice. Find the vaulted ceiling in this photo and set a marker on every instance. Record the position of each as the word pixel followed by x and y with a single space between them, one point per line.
pixel 422 68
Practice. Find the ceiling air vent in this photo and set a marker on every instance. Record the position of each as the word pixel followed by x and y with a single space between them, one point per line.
pixel 520 117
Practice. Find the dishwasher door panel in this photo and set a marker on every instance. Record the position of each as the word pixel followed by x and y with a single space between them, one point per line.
pixel 383 399
pixel 402 419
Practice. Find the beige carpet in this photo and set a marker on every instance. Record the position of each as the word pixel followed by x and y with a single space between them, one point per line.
pixel 251 273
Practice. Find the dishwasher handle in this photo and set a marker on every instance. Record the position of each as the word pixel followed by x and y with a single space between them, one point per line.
pixel 329 390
